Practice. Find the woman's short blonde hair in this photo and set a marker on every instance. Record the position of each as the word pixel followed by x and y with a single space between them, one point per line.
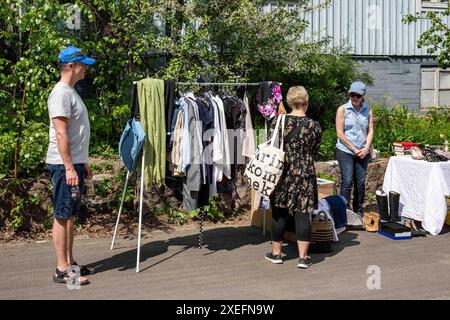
pixel 297 97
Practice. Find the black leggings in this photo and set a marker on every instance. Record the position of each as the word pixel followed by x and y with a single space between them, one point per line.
pixel 302 224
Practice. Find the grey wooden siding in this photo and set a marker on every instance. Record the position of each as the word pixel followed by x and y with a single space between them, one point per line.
pixel 397 80
pixel 370 27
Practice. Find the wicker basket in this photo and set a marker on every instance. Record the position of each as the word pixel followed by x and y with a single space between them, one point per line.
pixel 321 228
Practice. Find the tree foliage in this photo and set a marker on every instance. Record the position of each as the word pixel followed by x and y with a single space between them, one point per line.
pixel 186 40
pixel 437 37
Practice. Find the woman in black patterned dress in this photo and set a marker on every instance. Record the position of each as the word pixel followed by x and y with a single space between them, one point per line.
pixel 296 192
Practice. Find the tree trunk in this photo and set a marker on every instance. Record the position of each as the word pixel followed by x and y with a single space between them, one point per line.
pixel 16 153
pixel 19 122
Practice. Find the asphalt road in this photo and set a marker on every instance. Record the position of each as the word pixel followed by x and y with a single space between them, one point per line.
pixel 232 266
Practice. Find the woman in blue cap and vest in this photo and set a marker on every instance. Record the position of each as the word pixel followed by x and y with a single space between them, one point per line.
pixel 354 127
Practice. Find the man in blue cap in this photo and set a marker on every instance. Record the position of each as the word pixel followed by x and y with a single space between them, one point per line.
pixel 67 158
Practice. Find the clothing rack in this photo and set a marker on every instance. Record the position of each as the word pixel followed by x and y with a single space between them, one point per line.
pixel 141 191
pixel 240 84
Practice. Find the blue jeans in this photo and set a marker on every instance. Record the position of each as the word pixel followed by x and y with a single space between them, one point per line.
pixel 64 207
pixel 353 171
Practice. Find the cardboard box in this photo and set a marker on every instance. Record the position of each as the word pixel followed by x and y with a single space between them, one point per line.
pixel 324 189
pixel 258 215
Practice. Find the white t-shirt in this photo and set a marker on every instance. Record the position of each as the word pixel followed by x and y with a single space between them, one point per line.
pixel 64 101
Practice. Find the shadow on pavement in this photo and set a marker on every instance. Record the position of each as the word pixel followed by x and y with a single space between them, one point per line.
pixel 346 239
pixel 214 240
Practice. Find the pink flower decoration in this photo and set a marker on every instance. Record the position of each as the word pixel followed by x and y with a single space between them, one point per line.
pixel 276 92
pixel 268 110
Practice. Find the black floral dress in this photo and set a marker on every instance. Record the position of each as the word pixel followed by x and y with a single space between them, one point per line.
pixel 297 187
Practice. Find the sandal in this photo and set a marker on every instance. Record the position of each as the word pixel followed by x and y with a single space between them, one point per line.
pixel 85 270
pixel 64 276
pixel 415 232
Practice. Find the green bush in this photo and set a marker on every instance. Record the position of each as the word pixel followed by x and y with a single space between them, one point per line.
pixel 328 146
pixel 128 42
pixel 327 82
pixel 129 193
pixel 400 125
pixel 33 147
pixel 212 210
pixel 104 150
pixel 105 187
pixel 326 176
pixel 100 168
pixel 7 144
pixel 174 215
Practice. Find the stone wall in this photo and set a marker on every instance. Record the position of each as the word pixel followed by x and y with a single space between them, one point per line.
pixel 99 211
pixel 374 178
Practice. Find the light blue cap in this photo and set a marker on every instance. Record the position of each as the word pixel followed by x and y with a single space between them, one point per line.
pixel 358 87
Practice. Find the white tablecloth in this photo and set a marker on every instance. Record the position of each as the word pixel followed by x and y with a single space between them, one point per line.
pixel 422 186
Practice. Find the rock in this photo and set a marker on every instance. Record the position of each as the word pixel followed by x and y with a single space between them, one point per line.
pixel 374 177
pixel 96 178
pixel 89 186
pixel 243 190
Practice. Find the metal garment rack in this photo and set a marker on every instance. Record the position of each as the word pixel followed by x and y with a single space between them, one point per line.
pixel 141 191
pixel 204 84
pixel 220 84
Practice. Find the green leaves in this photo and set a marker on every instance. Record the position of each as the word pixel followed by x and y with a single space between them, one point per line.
pixel 212 210
pixel 437 37
pixel 131 39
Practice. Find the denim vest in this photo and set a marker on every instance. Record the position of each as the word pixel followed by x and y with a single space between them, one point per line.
pixel 356 126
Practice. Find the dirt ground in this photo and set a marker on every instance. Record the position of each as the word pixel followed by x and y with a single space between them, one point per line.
pixel 102 227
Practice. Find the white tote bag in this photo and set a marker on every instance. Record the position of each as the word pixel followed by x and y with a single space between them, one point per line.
pixel 266 166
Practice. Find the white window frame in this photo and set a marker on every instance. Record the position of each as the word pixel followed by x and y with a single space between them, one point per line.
pixel 436 88
pixel 431 5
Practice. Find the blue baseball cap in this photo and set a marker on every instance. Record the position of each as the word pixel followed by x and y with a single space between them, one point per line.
pixel 74 54
pixel 358 87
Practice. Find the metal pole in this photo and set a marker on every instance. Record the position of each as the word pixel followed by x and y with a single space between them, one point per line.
pixel 242 84
pixel 141 198
pixel 264 222
pixel 120 209
pixel 264 210
pixel 216 84
pixel 200 233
